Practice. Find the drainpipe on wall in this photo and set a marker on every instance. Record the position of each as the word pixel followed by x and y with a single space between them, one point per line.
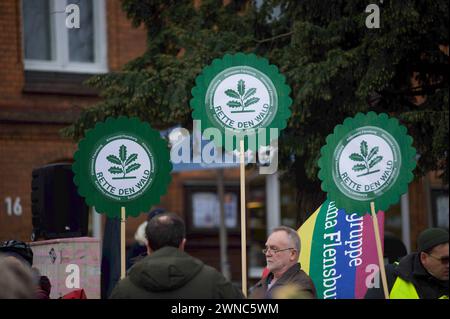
pixel 273 217
pixel 406 230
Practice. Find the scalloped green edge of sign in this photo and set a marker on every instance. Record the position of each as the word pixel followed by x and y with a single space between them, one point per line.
pixel 404 175
pixel 82 161
pixel 203 81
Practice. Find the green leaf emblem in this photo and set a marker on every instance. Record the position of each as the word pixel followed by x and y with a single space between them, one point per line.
pixel 114 159
pixel 133 167
pixel 375 161
pixel 241 87
pixel 234 104
pixel 124 163
pixel 115 170
pixel 233 83
pixel 232 93
pixel 244 98
pixel 356 157
pixel 253 100
pixel 249 93
pixel 363 148
pixel 359 167
pixel 363 145
pixel 130 159
pixel 366 158
pixel 123 153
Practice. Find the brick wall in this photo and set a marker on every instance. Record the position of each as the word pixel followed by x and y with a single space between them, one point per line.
pixel 24 148
pixel 124 42
pixel 11 74
pixel 30 122
pixel 418 207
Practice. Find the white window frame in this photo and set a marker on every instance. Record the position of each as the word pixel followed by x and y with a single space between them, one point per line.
pixel 60 42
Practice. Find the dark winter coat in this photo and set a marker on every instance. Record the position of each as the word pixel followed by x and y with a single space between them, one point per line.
pixel 304 286
pixel 411 270
pixel 169 273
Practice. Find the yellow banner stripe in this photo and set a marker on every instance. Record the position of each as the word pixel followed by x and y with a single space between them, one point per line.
pixel 306 232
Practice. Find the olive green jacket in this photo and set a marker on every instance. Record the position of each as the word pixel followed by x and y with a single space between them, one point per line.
pixel 169 273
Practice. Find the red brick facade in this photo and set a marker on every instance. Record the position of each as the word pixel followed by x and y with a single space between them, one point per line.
pixel 30 138
pixel 30 125
pixel 30 122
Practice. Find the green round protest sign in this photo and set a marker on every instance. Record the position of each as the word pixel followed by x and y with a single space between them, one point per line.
pixel 369 158
pixel 240 94
pixel 122 163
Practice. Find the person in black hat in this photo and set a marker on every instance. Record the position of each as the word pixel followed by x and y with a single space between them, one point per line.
pixel 23 253
pixel 18 249
pixel 419 275
pixel 433 248
pixel 16 280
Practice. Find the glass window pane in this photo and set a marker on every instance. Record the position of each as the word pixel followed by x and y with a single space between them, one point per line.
pixel 36 28
pixel 81 40
pixel 206 211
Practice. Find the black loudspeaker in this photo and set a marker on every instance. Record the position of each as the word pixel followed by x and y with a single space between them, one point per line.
pixel 57 209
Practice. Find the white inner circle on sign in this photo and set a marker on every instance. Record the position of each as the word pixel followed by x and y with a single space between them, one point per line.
pixel 242 117
pixel 371 171
pixel 129 180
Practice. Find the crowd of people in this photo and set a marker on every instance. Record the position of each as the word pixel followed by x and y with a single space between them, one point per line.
pixel 161 268
pixel 18 278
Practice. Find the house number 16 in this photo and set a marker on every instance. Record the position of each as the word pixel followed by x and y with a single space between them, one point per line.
pixel 13 208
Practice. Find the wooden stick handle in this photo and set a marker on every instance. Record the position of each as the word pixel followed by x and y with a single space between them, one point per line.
pixel 379 250
pixel 122 243
pixel 243 225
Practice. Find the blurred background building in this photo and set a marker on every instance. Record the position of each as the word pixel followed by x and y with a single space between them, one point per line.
pixel 43 65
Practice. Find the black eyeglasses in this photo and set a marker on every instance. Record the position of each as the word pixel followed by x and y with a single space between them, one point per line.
pixel 275 251
pixel 443 259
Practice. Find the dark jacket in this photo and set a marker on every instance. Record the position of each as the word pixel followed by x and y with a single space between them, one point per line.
pixel 169 273
pixel 44 288
pixel 293 276
pixel 411 270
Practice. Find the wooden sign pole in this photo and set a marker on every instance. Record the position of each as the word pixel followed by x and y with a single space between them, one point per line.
pixel 243 224
pixel 122 243
pixel 379 250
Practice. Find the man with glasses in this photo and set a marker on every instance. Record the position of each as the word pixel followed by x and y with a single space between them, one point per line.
pixel 421 275
pixel 285 279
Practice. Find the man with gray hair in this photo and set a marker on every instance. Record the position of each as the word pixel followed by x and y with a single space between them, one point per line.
pixel 286 279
